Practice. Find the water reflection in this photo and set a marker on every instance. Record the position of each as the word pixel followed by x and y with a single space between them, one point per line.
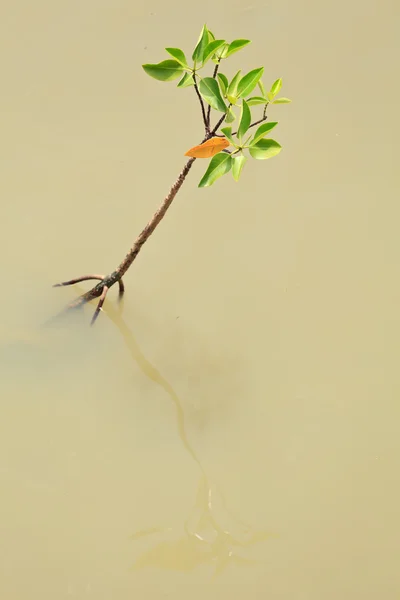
pixel 205 539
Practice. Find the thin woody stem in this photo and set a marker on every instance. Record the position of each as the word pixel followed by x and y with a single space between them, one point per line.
pixel 209 106
pixel 264 118
pixel 203 110
pixel 257 122
pixel 152 224
pixel 253 124
pixel 219 122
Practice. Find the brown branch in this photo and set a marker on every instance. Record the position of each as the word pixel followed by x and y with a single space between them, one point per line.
pixel 252 124
pixel 203 110
pixel 264 118
pixel 219 122
pixel 152 224
pixel 209 106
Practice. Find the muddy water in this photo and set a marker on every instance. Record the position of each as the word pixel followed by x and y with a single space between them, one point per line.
pixel 231 429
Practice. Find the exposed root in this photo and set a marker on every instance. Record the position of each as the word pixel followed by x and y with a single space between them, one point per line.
pixel 79 279
pixel 98 291
pixel 121 289
pixel 100 305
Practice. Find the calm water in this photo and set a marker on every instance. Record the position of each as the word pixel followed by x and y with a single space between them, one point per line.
pixel 231 429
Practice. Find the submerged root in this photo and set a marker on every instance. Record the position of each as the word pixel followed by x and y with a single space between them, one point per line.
pixel 98 291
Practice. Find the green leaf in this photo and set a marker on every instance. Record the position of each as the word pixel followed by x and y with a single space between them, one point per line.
pixel 203 40
pixel 220 164
pixel 262 88
pixel 211 49
pixel 227 131
pixel 166 70
pixel 276 87
pixel 209 89
pixel 265 149
pixel 245 120
pixel 262 131
pixel 178 55
pixel 232 88
pixel 211 36
pixel 223 82
pixel 249 82
pixel 230 116
pixel 222 53
pixel 238 163
pixel 235 46
pixel 281 101
pixel 186 80
pixel 257 100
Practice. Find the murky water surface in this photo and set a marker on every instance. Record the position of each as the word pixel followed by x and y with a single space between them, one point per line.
pixel 231 429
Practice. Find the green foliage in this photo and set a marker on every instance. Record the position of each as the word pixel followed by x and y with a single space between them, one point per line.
pixel 249 82
pixel 223 83
pixel 275 88
pixel 238 163
pixel 211 49
pixel 262 132
pixel 179 56
pixel 257 100
pixel 235 46
pixel 201 45
pixel 262 88
pixel 227 131
pixel 265 149
pixel 186 80
pixel 231 98
pixel 245 120
pixel 167 70
pixel 209 89
pixel 230 116
pixel 232 88
pixel 220 164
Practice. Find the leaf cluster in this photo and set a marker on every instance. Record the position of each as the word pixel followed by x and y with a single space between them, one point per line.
pixel 232 98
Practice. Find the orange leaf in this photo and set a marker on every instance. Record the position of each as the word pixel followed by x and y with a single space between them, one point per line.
pixel 209 148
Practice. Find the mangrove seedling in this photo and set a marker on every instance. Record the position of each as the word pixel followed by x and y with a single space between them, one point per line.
pixel 227 150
